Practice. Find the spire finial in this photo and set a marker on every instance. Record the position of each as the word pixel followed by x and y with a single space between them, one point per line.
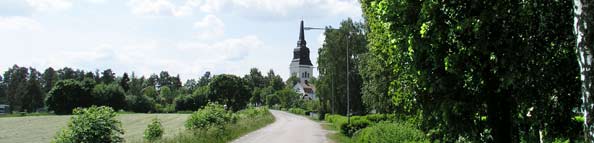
pixel 301 41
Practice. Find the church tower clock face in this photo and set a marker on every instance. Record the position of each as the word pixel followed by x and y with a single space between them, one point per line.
pixel 301 66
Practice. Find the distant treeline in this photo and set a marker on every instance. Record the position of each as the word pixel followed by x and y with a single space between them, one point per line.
pixel 60 91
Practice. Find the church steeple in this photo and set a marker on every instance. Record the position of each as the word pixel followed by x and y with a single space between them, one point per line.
pixel 301 42
pixel 301 52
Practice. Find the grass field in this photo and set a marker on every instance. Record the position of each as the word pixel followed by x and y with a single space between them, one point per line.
pixel 41 129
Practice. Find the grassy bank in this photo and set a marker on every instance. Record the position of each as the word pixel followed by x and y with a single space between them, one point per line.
pixel 246 122
pixel 41 129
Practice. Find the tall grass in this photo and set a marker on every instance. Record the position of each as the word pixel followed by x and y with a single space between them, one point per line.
pixel 247 121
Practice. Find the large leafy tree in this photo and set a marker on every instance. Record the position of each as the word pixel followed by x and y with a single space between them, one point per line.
pixel 49 78
pixel 34 91
pixel 346 42
pixel 124 82
pixel 111 95
pixel 229 90
pixel 255 79
pixel 15 79
pixel 67 95
pixel 458 61
pixel 66 73
pixel 2 90
pixel 274 81
pixel 107 76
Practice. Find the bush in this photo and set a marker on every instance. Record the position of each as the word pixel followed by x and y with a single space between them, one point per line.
pixel 386 132
pixel 140 103
pixel 67 95
pixel 154 130
pixel 212 115
pixel 91 125
pixel 298 111
pixel 192 102
pixel 355 125
pixel 111 95
pixel 376 118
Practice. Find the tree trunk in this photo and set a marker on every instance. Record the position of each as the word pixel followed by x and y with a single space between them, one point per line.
pixel 582 24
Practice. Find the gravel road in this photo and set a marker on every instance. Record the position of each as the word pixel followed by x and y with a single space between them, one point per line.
pixel 288 128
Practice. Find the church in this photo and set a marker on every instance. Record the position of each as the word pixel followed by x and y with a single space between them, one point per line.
pixel 302 68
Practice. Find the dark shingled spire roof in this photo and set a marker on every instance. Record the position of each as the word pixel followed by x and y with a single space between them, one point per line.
pixel 301 52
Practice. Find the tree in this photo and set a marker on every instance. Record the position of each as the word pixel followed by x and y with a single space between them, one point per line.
pixel 341 51
pixel 375 88
pixel 255 79
pixel 49 78
pixel 585 47
pixel 136 85
pixel 291 81
pixel 289 98
pixel 2 90
pixel 192 102
pixel 67 95
pixel 107 76
pixel 15 79
pixel 229 90
pixel 66 73
pixel 111 95
pixel 34 91
pixel 124 82
pixel 164 79
pixel 460 61
pixel 274 81
pixel 205 79
pixel 166 94
pixel 190 85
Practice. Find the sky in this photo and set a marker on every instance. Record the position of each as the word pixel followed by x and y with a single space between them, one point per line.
pixel 185 37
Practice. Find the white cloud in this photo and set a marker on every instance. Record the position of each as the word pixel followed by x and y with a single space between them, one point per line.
pixel 141 7
pixel 211 6
pixel 163 7
pixel 250 8
pixel 19 23
pixel 191 58
pixel 210 27
pixel 297 8
pixel 50 5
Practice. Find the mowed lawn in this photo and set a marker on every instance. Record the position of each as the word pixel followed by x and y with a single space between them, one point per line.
pixel 41 129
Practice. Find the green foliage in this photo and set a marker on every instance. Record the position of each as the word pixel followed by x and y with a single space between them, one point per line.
pixel 67 95
pixel 111 95
pixel 341 50
pixel 140 104
pixel 248 120
pixel 229 90
pixel 192 102
pixel 154 130
pixel 211 115
pixel 356 124
pixel 387 132
pixel 288 98
pixel 454 62
pixel 93 125
pixel 166 94
pixel 297 111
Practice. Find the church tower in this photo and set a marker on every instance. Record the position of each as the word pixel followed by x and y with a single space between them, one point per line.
pixel 301 66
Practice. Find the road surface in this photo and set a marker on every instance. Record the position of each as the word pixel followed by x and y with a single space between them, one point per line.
pixel 288 128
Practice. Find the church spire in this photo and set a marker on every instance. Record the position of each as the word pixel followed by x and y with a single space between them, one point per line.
pixel 301 42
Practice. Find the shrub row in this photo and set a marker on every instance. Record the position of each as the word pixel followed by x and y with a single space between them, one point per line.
pixel 298 111
pixel 210 116
pixel 234 125
pixel 390 132
pixel 357 122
